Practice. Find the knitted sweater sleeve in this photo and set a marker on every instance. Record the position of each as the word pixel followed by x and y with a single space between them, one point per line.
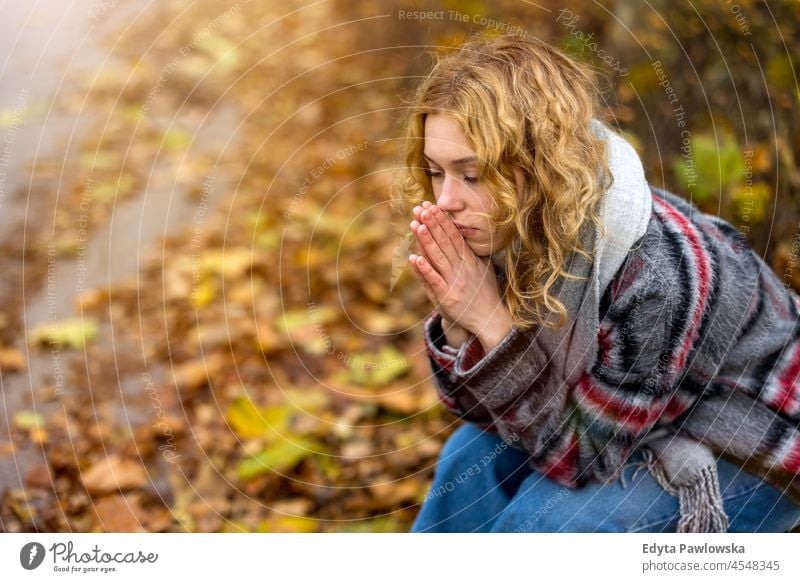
pixel 456 398
pixel 582 431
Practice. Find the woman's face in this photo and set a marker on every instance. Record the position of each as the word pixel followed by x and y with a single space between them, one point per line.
pixel 458 189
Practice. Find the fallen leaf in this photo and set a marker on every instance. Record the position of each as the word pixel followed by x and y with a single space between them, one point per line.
pixel 196 374
pixel 28 420
pixel 377 525
pixel 113 473
pixel 11 360
pixel 288 524
pixel 278 458
pixel 378 369
pixel 19 502
pixel 250 421
pixel 392 492
pixel 69 333
pixel 39 476
pixel 116 513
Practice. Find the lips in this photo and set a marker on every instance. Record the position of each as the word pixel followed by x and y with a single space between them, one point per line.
pixel 465 230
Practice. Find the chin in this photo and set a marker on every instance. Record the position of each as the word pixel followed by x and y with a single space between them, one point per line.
pixel 481 251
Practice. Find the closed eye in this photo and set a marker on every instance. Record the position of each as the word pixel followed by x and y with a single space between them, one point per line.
pixel 436 175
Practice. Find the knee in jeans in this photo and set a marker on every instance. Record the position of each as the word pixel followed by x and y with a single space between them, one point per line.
pixel 464 447
pixel 461 439
pixel 545 511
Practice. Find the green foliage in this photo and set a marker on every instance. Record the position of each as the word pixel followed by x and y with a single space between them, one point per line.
pixel 709 166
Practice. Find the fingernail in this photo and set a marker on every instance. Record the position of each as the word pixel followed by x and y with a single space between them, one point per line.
pixel 422 230
pixel 425 214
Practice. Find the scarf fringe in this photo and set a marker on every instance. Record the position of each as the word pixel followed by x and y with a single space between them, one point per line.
pixel 700 502
pixel 701 505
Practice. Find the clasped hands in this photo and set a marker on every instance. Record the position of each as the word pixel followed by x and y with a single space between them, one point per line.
pixel 462 286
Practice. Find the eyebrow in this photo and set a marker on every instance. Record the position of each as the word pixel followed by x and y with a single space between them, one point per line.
pixel 458 162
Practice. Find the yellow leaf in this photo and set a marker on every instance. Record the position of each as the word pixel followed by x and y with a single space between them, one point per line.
pixel 221 50
pixel 11 360
pixel 279 457
pixel 231 263
pixel 28 420
pixel 305 325
pixel 288 524
pixel 251 421
pixel 204 293
pixel 307 400
pixel 108 190
pixel 377 369
pixel 12 117
pixel 175 140
pixel 377 525
pixel 68 333
pixel 752 201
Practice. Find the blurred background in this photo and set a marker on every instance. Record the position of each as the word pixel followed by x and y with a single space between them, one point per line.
pixel 207 321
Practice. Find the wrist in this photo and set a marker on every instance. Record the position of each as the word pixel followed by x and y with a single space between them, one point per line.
pixel 454 334
pixel 493 332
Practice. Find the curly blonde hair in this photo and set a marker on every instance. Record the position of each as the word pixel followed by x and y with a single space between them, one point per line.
pixel 524 104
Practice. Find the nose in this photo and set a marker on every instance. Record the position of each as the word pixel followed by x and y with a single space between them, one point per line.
pixel 451 196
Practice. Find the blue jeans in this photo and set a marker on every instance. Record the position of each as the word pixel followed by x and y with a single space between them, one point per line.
pixel 483 485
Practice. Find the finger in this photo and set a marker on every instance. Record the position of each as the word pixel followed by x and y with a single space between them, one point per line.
pixel 428 289
pixel 432 277
pixel 436 258
pixel 414 226
pixel 446 234
pixel 426 204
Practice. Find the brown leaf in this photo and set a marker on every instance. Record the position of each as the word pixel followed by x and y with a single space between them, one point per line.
pixel 157 519
pixel 20 503
pixel 116 513
pixel 395 397
pixel 39 476
pixel 196 374
pixel 112 473
pixel 11 360
pixel 391 492
pixel 297 506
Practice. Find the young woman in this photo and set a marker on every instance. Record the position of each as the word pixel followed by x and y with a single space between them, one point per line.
pixel 585 323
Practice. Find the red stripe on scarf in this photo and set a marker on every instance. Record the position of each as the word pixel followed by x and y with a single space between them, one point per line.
pixel 703 271
pixel 561 468
pixel 792 461
pixel 785 396
pixel 634 418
